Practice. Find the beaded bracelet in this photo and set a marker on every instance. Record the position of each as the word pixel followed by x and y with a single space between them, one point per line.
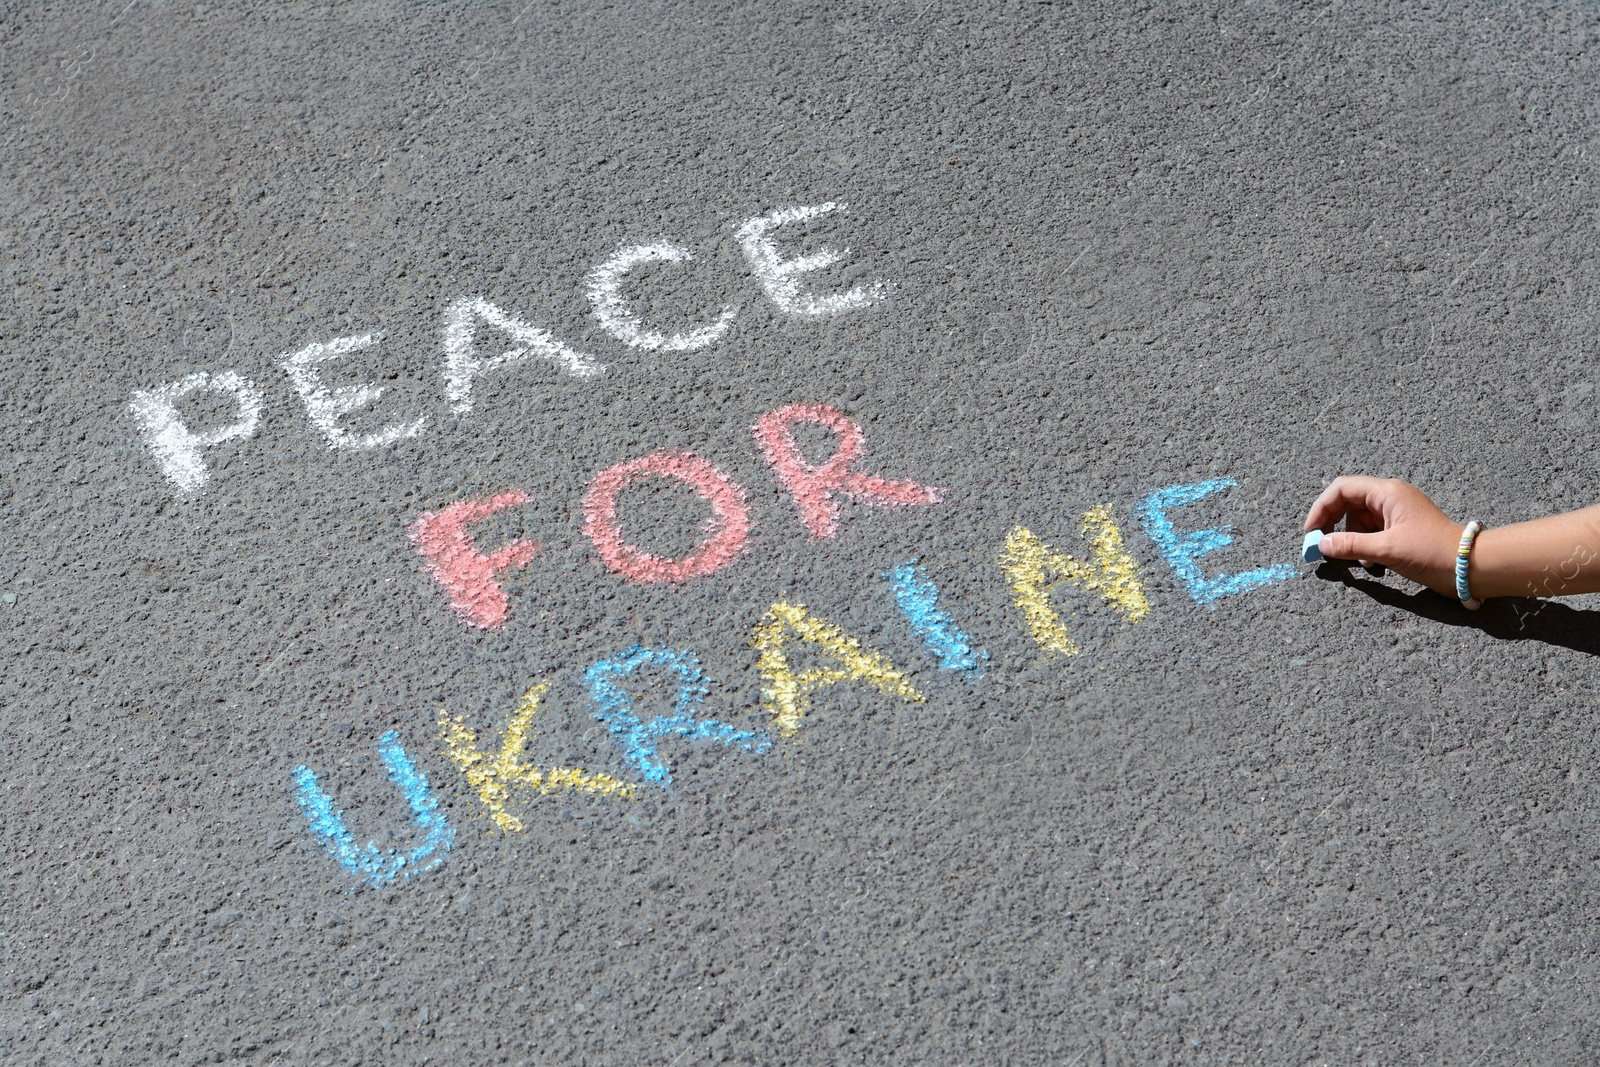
pixel 1463 557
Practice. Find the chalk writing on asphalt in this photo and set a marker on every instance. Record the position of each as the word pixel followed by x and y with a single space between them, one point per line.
pixel 179 450
pixel 798 654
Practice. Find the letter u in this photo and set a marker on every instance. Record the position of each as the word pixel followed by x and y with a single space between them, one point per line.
pixel 379 866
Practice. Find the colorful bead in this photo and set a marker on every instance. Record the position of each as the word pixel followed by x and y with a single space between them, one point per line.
pixel 1463 558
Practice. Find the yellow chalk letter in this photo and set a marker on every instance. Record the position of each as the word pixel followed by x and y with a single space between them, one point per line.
pixel 786 695
pixel 1034 569
pixel 493 776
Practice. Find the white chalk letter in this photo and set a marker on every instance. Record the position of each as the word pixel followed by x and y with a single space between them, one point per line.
pixel 780 277
pixel 325 406
pixel 177 448
pixel 605 293
pixel 461 364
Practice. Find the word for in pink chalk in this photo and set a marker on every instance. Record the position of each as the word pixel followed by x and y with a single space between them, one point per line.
pixel 179 447
pixel 470 577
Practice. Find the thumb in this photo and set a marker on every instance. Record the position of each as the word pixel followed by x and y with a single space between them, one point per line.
pixel 1346 545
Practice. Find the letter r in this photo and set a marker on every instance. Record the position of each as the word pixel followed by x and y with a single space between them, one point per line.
pixel 813 487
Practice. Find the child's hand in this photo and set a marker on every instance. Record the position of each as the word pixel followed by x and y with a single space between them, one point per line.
pixel 1391 523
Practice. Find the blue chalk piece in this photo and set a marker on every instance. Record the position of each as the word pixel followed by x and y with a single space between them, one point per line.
pixel 1308 546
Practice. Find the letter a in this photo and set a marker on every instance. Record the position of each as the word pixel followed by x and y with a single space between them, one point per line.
pixel 1034 569
pixel 785 695
pixel 462 366
pixel 493 776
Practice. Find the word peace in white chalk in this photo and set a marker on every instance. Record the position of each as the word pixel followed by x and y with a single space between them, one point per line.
pixel 179 449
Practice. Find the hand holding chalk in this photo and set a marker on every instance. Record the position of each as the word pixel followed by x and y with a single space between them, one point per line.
pixel 1388 523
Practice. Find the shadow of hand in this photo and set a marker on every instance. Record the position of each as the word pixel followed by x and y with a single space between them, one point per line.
pixel 1503 618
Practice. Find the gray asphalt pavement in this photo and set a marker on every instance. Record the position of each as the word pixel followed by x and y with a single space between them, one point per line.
pixel 663 533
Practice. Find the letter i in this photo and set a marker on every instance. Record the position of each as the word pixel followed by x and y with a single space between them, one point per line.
pixel 918 598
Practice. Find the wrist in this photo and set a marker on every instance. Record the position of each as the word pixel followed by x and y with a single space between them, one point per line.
pixel 1461 576
pixel 1488 573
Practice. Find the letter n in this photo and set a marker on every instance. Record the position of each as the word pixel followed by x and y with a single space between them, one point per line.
pixel 1034 569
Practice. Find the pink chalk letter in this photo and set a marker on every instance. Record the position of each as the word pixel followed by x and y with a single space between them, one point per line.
pixel 468 575
pixel 813 487
pixel 726 529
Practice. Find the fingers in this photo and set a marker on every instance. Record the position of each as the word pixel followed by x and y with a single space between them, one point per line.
pixel 1367 547
pixel 1362 521
pixel 1358 496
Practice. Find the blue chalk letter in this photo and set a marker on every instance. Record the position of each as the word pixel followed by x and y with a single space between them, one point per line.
pixel 371 863
pixel 1183 551
pixel 639 738
pixel 919 603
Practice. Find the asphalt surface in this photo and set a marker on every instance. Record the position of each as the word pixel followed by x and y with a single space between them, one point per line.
pixel 1094 253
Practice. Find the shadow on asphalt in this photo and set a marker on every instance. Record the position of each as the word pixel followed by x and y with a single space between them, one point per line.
pixel 1504 618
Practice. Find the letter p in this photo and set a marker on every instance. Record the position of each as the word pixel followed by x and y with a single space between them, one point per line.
pixel 177 447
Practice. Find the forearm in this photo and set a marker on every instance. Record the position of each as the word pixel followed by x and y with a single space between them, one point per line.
pixel 1554 556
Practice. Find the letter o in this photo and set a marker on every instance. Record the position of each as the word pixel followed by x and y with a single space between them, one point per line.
pixel 726 530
